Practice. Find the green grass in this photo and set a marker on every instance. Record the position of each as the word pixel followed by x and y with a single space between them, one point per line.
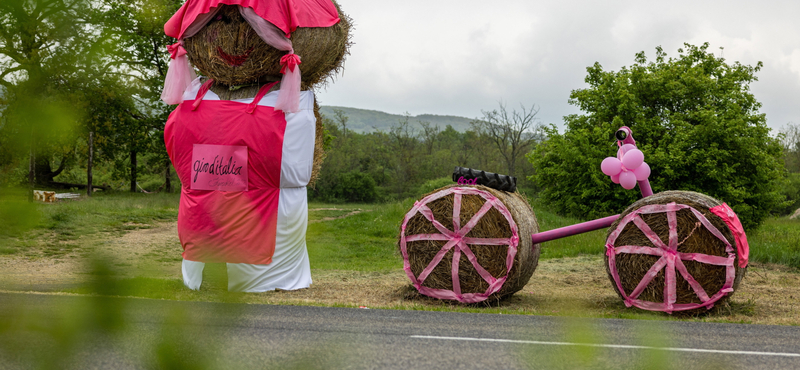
pixel 362 242
pixel 776 241
pixel 69 220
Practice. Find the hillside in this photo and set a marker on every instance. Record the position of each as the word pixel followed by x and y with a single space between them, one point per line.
pixel 363 120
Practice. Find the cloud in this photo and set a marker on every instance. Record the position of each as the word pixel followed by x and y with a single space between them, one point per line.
pixel 461 57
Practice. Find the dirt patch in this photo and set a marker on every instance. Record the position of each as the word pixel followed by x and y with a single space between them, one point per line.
pixel 769 294
pixel 331 218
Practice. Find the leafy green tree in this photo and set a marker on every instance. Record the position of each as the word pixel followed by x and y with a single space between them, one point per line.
pixel 135 44
pixel 42 43
pixel 693 117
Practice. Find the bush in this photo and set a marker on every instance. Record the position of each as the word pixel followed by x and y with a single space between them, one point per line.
pixel 696 122
pixel 354 187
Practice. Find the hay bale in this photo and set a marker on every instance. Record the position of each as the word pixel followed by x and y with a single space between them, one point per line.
pixel 511 219
pixel 691 237
pixel 322 51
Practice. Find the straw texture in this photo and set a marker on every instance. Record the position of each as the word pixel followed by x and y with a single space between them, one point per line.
pixel 490 257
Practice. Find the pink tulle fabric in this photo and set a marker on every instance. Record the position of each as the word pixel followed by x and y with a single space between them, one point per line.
pixel 179 75
pixel 289 94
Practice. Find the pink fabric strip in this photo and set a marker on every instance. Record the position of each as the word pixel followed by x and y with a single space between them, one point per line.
pixel 635 249
pixel 435 261
pixel 418 237
pixel 670 260
pixel 261 92
pixel 701 293
pixel 457 211
pixel 652 236
pixel 202 93
pixel 474 260
pixel 454 271
pixel 732 220
pixel 649 276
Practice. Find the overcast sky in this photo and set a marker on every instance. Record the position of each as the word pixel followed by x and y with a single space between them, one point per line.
pixel 459 57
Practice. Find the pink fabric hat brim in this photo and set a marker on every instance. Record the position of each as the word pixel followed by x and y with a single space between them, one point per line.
pixel 287 15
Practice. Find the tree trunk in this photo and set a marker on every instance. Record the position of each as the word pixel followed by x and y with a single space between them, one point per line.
pixel 31 172
pixel 168 178
pixel 89 165
pixel 133 171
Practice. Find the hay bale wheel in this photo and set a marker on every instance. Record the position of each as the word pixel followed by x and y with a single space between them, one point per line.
pixel 469 243
pixel 687 268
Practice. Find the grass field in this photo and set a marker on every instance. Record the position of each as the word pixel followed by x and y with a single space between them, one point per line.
pixel 365 241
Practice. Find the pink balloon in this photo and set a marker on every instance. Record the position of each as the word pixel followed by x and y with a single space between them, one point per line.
pixel 642 172
pixel 633 159
pixel 611 166
pixel 627 179
pixel 624 149
pixel 615 179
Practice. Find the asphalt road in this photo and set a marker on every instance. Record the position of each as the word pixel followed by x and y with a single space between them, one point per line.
pixel 49 331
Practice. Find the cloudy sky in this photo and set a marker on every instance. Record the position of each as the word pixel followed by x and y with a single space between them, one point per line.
pixel 458 57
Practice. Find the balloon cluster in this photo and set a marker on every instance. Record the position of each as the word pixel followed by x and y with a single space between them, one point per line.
pixel 627 168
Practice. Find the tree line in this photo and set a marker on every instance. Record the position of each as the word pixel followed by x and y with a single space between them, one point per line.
pixel 79 107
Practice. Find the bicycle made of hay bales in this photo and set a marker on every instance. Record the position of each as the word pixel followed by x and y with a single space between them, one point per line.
pixel 671 251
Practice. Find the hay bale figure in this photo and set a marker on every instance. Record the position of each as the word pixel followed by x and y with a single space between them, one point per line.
pixel 676 251
pixel 246 137
pixel 469 243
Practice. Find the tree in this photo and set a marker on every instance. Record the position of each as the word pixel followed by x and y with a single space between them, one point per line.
pixel 513 133
pixel 790 140
pixel 694 118
pixel 135 44
pixel 42 43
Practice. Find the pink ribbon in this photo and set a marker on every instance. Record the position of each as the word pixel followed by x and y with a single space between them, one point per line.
pixel 742 248
pixel 176 50
pixel 458 241
pixel 289 61
pixel 670 260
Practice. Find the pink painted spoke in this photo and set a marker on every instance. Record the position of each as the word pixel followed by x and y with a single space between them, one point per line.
pixel 475 218
pixel 649 233
pixel 696 287
pixel 435 261
pixel 672 220
pixel 648 277
pixel 418 237
pixel 474 260
pixel 454 270
pixel 456 212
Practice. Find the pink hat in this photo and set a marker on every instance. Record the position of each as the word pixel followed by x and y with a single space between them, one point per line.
pixel 266 17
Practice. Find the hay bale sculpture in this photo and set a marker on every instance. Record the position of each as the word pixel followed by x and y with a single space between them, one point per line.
pixel 675 251
pixel 245 138
pixel 469 243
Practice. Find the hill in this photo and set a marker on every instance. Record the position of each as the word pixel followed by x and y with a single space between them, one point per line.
pixel 363 120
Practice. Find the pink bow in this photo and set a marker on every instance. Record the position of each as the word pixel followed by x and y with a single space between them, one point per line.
pixel 289 60
pixel 176 50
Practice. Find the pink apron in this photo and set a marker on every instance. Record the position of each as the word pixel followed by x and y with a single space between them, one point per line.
pixel 228 158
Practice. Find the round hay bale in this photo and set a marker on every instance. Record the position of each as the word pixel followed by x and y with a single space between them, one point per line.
pixel 699 257
pixel 322 51
pixel 469 243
